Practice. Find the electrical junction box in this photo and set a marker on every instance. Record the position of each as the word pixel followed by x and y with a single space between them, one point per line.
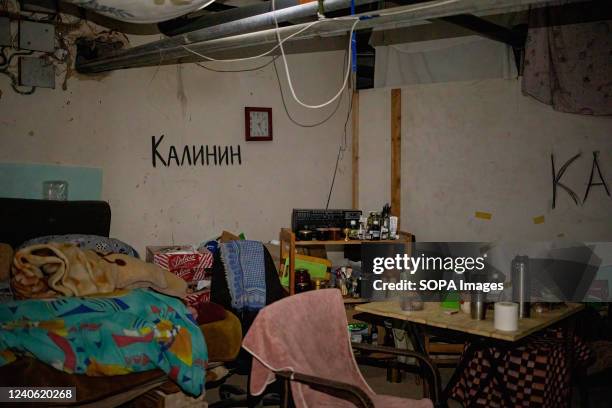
pixel 5 31
pixel 36 36
pixel 36 72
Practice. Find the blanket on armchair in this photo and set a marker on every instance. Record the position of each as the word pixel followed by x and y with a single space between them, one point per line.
pixel 245 273
pixel 120 333
pixel 62 269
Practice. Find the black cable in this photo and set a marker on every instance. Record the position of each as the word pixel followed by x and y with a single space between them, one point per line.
pixel 14 84
pixel 4 69
pixel 238 70
pixel 3 56
pixel 295 122
pixel 9 59
pixel 342 145
pixel 348 116
pixel 341 148
pixel 20 92
pixel 334 177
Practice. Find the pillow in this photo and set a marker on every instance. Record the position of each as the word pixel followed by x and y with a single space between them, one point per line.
pixel 6 259
pixel 96 243
pixel 209 312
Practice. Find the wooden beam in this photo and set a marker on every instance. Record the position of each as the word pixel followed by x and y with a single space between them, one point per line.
pixel 513 37
pixel 355 148
pixel 396 152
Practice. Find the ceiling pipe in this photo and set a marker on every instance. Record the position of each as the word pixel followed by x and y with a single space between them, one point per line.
pixel 244 25
pixel 155 55
pixel 184 25
pixel 194 22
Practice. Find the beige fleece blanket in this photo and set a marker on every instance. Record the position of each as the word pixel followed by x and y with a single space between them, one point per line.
pixel 60 269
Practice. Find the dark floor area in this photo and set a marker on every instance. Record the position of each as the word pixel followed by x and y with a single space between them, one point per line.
pixel 599 387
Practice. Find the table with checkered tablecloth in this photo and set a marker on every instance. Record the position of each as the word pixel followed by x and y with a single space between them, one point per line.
pixel 534 373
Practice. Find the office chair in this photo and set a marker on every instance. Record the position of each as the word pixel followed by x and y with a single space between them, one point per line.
pixel 232 396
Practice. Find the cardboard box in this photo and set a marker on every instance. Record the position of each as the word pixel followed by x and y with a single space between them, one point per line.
pixel 168 396
pixel 182 260
pixel 196 298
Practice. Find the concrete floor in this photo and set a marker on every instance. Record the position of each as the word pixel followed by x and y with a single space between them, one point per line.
pixel 600 387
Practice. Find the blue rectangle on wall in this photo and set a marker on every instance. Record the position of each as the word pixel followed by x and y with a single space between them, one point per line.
pixel 18 180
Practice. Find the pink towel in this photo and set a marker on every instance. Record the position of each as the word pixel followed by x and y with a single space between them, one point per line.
pixel 308 334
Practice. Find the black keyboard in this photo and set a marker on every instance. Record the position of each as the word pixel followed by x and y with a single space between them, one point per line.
pixel 320 218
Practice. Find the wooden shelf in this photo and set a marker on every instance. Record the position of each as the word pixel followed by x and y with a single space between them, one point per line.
pixel 288 245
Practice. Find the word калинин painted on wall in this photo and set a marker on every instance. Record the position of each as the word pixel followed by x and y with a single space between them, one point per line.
pixel 595 180
pixel 194 155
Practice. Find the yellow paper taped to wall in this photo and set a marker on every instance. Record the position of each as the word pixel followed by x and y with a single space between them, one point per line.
pixel 538 220
pixel 483 215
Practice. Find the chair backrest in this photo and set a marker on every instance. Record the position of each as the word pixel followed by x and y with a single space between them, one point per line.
pixel 220 294
pixel 24 219
pixel 307 334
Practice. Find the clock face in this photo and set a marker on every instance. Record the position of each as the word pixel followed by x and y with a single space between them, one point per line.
pixel 258 122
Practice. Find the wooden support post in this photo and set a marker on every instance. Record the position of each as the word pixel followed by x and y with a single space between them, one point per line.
pixel 396 152
pixel 355 148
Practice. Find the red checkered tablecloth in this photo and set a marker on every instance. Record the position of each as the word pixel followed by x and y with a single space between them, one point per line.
pixel 533 374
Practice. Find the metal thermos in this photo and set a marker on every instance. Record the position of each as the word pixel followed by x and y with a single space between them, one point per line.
pixel 478 306
pixel 521 288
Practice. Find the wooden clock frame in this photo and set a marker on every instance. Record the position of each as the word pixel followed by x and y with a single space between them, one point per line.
pixel 247 124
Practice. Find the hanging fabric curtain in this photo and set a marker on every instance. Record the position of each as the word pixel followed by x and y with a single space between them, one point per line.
pixel 444 60
pixel 142 11
pixel 569 65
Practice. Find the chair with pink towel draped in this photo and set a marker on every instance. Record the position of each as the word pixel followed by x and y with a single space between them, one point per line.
pixel 304 340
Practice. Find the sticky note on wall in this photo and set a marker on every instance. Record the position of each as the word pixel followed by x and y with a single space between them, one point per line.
pixel 483 215
pixel 538 220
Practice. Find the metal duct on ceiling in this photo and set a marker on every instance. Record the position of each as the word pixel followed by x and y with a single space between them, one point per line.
pixel 244 25
pixel 221 38
pixel 187 24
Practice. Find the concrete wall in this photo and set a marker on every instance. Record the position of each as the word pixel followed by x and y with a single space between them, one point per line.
pixel 108 123
pixel 483 146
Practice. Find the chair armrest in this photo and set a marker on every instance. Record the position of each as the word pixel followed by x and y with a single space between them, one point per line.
pixel 435 387
pixel 334 388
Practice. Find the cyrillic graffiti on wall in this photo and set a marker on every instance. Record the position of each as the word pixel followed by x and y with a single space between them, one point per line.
pixel 193 155
pixel 595 180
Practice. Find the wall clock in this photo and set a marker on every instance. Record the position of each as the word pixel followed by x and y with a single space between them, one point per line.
pixel 258 123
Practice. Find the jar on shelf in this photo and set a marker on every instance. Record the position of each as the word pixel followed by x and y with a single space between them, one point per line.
pixel 302 281
pixel 374 225
pixel 354 229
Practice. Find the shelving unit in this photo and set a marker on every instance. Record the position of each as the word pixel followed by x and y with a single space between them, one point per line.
pixel 289 245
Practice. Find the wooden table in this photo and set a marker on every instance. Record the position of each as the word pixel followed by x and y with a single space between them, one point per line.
pixel 480 333
pixel 433 315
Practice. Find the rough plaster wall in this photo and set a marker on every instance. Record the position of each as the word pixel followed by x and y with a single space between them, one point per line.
pixel 374 149
pixel 482 146
pixel 109 124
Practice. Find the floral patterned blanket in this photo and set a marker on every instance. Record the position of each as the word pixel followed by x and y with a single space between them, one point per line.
pixel 113 334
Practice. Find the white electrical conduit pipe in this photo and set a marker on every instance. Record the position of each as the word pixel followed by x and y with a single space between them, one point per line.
pixel 349 54
pixel 270 51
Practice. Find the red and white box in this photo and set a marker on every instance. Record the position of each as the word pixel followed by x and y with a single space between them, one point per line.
pixel 197 298
pixel 182 260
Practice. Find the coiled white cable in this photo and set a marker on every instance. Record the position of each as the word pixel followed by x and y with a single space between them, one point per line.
pixel 270 51
pixel 349 57
pixel 287 73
